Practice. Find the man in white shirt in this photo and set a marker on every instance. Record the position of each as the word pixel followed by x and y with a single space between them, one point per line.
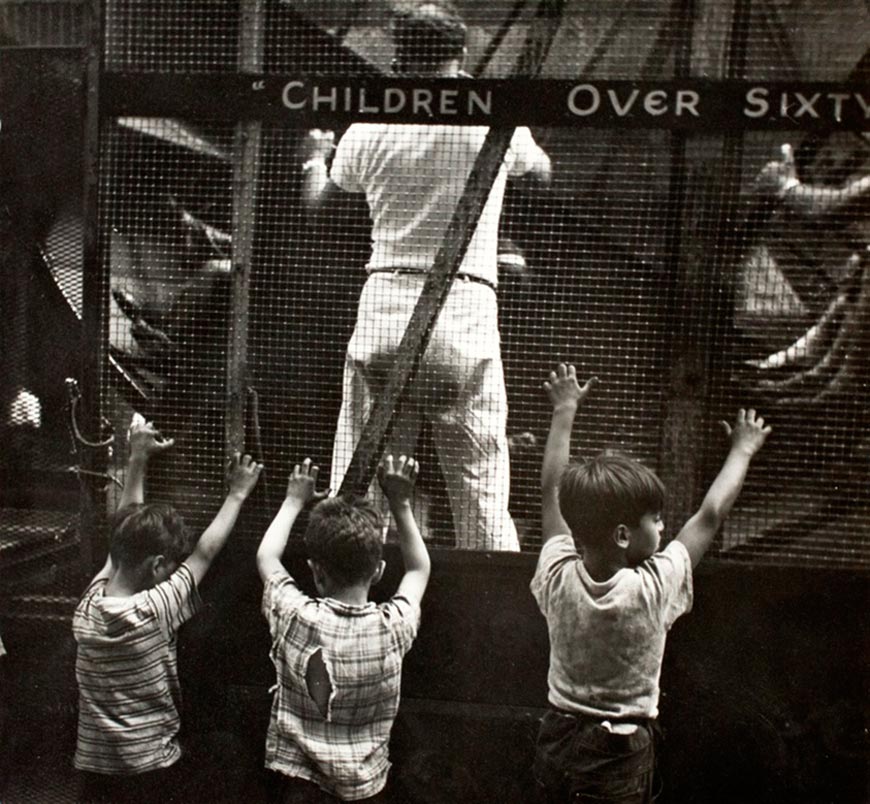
pixel 413 177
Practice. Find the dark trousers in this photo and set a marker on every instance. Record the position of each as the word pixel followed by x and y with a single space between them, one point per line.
pixel 161 786
pixel 301 791
pixel 579 760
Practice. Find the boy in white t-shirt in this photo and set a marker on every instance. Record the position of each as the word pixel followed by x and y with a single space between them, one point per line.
pixel 609 610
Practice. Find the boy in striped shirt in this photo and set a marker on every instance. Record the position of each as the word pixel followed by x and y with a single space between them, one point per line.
pixel 126 626
pixel 338 656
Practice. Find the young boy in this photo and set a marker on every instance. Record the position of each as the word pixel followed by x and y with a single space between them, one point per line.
pixel 126 625
pixel 338 657
pixel 609 610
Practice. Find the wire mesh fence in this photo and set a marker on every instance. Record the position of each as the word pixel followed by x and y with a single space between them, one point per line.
pixel 41 23
pixel 662 257
pixel 40 262
pixel 586 269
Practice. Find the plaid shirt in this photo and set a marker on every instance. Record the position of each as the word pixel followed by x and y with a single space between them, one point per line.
pixel 346 752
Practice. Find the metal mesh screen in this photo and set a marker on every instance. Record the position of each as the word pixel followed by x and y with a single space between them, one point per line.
pixel 166 186
pixel 40 301
pixel 46 23
pixel 660 260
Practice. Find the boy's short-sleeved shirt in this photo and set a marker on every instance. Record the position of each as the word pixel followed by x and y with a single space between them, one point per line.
pixel 413 177
pixel 127 674
pixel 362 647
pixel 607 639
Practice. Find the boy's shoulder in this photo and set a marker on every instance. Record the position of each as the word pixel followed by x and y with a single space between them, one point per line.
pixel 396 619
pixel 673 557
pixel 281 592
pixel 556 551
pixel 665 581
pixel 399 607
pixel 665 574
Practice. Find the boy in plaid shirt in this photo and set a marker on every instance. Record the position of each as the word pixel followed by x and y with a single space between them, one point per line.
pixel 338 657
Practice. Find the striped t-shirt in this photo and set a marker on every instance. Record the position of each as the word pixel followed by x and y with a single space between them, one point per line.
pixel 345 752
pixel 127 674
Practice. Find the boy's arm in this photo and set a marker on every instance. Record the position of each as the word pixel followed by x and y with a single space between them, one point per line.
pixel 300 489
pixel 243 476
pixel 747 437
pixel 143 441
pixel 397 480
pixel 565 395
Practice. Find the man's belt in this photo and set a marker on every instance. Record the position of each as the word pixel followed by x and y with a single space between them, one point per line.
pixel 462 277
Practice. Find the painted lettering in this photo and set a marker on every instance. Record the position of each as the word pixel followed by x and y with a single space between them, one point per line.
pixel 594 100
pixel 621 110
pixel 484 104
pixel 655 102
pixel 838 98
pixel 687 100
pixel 329 99
pixel 757 99
pixel 364 108
pixel 806 105
pixel 285 95
pixel 394 100
pixel 447 100
pixel 421 99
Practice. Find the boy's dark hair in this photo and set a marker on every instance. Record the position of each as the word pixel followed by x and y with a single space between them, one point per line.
pixel 142 530
pixel 344 537
pixel 610 489
pixel 427 36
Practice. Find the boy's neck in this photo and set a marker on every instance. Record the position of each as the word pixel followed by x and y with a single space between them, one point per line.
pixel 357 595
pixel 123 583
pixel 603 565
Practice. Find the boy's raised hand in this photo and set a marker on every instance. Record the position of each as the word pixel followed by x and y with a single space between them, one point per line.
pixel 397 478
pixel 748 433
pixel 243 473
pixel 145 439
pixel 563 389
pixel 301 486
pixel 747 437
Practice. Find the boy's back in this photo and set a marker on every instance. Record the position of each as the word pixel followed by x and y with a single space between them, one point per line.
pixel 338 657
pixel 608 613
pixel 125 627
pixel 126 669
pixel 607 639
pixel 362 646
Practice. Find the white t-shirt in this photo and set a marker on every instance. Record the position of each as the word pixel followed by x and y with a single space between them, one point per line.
pixel 413 177
pixel 607 639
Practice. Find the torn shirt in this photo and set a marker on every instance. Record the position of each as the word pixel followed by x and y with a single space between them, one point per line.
pixel 345 752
